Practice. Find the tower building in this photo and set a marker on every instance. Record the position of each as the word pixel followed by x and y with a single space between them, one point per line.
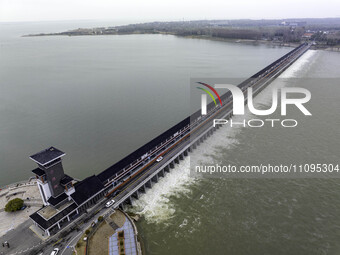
pixel 53 183
pixel 64 199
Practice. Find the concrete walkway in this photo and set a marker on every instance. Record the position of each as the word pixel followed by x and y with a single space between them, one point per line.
pixel 129 237
pixel 22 240
pixel 23 190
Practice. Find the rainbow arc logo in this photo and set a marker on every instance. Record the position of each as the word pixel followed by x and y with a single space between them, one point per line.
pixel 204 97
pixel 209 93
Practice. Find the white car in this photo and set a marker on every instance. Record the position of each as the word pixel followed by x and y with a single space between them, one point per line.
pixel 55 251
pixel 111 202
pixel 159 159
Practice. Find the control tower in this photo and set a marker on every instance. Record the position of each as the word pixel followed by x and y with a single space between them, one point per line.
pixel 52 180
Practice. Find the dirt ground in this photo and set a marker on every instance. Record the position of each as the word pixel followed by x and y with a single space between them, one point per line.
pixel 118 218
pixel 99 242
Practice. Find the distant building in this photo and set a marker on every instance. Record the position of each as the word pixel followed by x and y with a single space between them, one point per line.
pixel 294 23
pixel 307 35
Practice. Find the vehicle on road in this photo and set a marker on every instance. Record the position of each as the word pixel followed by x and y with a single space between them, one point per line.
pixel 159 159
pixel 126 178
pixel 111 202
pixel 117 192
pixel 55 251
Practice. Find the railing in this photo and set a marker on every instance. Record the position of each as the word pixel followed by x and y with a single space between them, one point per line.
pixel 31 181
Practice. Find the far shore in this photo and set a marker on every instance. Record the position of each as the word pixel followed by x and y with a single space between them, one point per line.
pixel 204 37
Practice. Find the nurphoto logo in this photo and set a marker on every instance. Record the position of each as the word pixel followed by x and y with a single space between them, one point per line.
pixel 240 96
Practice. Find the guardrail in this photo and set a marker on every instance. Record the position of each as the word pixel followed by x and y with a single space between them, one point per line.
pixel 31 181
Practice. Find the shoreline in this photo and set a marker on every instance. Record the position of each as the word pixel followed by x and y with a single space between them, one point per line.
pixel 17 184
pixel 202 37
pixel 242 41
pixel 231 40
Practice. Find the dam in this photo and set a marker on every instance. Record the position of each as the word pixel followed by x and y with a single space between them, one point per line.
pixel 67 200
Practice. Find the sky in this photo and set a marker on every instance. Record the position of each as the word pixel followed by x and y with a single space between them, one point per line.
pixel 151 10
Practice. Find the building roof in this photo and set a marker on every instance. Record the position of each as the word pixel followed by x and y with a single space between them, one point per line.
pixel 56 200
pixel 307 34
pixel 38 171
pixel 46 156
pixel 66 179
pixel 111 171
pixel 45 224
pixel 86 189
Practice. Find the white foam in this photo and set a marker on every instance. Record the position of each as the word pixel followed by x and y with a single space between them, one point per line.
pixel 184 223
pixel 156 204
pixel 298 65
pixel 264 98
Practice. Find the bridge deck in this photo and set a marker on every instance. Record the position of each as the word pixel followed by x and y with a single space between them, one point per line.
pixel 153 168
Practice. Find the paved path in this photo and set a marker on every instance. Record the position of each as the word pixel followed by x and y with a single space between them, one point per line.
pixel 129 240
pixel 21 240
pixel 23 190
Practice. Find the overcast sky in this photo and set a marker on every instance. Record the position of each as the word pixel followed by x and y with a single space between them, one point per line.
pixel 146 10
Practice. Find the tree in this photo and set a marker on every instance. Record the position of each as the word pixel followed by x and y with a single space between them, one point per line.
pixel 14 205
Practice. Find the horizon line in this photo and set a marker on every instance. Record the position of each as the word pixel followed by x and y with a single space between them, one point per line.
pixel 165 20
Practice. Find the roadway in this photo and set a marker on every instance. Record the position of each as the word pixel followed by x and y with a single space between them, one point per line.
pixel 22 234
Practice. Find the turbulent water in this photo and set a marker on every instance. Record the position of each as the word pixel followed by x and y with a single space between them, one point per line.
pixel 99 98
pixel 256 216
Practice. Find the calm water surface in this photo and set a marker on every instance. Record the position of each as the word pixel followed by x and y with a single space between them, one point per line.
pixel 99 98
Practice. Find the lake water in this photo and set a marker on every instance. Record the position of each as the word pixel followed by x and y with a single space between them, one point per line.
pixel 98 98
pixel 185 215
